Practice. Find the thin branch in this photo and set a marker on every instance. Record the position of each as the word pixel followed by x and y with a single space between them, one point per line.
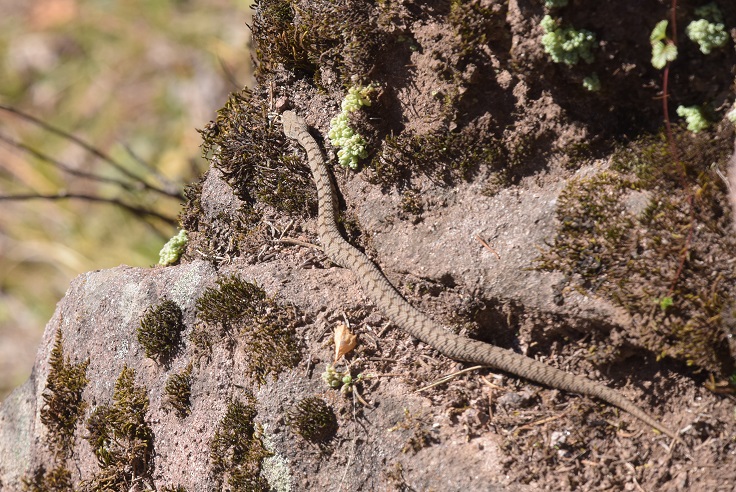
pixel 139 211
pixel 66 168
pixel 89 148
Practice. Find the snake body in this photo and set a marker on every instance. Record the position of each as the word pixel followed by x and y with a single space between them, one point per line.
pixel 385 296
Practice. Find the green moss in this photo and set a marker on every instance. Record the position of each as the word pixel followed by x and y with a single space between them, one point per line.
pixel 313 419
pixel 236 449
pixel 57 480
pixel 120 436
pixel 444 156
pixel 474 23
pixel 192 211
pixel 666 262
pixel 178 391
pixel 160 330
pixel 411 203
pixel 232 300
pixel 340 36
pixel 266 329
pixel 63 403
pixel 420 437
pixel 250 150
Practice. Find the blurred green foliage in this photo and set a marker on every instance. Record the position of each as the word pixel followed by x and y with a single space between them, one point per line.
pixel 120 75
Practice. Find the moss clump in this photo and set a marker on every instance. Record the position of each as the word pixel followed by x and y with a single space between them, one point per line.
pixel 192 210
pixel 475 24
pixel 266 328
pixel 160 329
pixel 232 300
pixel 250 150
pixel 236 449
pixel 57 480
pixel 340 36
pixel 63 404
pixel 178 391
pixel 313 419
pixel 120 437
pixel 667 260
pixel 443 156
pixel 421 436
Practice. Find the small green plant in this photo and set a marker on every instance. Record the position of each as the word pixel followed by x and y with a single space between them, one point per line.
pixel 63 405
pixel 567 45
pixel 663 49
pixel 313 419
pixel 592 83
pixel 707 35
pixel 342 136
pixel 708 32
pixel 178 391
pixel 342 379
pixel 237 450
pixel 120 436
pixel 173 249
pixel 665 303
pixel 694 117
pixel 160 329
pixel 555 4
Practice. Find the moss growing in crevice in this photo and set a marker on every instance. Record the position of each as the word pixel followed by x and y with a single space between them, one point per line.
pixel 232 300
pixel 341 36
pixel 236 449
pixel 242 311
pixel 57 480
pixel 121 438
pixel 444 156
pixel 192 212
pixel 250 149
pixel 63 403
pixel 652 236
pixel 421 436
pixel 313 419
pixel 178 391
pixel 160 330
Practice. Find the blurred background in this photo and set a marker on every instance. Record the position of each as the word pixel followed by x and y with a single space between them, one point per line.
pixel 132 78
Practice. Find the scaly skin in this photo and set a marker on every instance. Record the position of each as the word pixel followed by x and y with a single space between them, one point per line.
pixel 417 324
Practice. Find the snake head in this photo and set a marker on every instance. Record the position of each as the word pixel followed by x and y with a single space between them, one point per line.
pixel 293 124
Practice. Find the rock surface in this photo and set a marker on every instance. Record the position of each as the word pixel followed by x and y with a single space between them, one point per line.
pixel 477 432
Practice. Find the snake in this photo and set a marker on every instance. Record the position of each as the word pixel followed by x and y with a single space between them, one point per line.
pixel 399 311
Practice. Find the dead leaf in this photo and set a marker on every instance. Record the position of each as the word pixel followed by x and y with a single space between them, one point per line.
pixel 345 341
